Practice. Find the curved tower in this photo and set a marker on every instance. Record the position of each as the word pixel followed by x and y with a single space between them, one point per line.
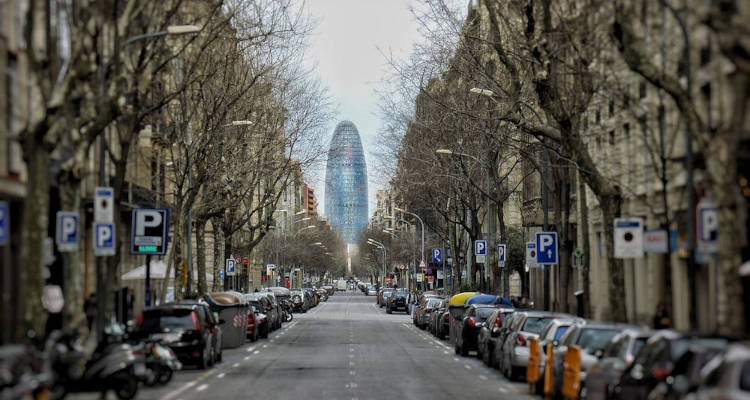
pixel 346 183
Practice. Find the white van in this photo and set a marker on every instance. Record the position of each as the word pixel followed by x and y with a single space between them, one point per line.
pixel 341 284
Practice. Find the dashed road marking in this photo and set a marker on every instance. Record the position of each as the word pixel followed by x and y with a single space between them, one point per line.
pixel 250 349
pixel 483 377
pixel 221 375
pixel 247 358
pixel 256 352
pixel 202 387
pixel 235 365
pixel 467 366
pixel 455 359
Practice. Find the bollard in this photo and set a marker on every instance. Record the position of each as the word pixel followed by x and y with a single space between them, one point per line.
pixel 572 373
pixel 532 369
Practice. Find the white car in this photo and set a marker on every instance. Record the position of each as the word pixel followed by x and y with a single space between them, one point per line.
pixel 371 291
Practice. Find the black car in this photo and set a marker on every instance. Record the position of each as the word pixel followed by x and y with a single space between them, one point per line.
pixel 467 329
pixel 488 336
pixel 655 363
pixel 398 301
pixel 190 330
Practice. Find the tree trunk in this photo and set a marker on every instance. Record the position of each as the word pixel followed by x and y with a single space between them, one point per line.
pixel 180 262
pixel 610 205
pixel 33 232
pixel 200 249
pixel 73 316
pixel 505 271
pixel 218 253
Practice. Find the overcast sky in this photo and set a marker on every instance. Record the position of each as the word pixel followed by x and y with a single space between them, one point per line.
pixel 347 53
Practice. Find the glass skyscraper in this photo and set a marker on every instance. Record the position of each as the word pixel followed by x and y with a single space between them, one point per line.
pixel 346 183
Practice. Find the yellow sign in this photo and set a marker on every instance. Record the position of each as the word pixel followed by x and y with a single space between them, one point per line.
pixel 532 370
pixel 549 372
pixel 572 373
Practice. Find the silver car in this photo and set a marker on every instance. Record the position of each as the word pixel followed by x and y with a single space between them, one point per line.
pixel 515 353
pixel 727 376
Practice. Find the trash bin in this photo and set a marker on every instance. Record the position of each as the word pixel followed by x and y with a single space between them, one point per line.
pixel 232 308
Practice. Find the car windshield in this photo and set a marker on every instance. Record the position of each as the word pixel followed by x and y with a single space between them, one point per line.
pixel 535 324
pixel 484 313
pixel 432 303
pixel 592 340
pixel 167 320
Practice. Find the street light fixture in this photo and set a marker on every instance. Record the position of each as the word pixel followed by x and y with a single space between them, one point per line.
pixel 239 123
pixel 171 30
pixel 482 92
pixel 444 151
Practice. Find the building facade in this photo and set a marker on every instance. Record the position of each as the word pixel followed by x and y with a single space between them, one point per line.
pixel 346 183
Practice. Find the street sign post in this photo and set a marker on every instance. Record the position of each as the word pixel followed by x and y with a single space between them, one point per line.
pixel 66 232
pixel 437 256
pixel 221 274
pixel 531 255
pixel 708 227
pixel 104 239
pixel 655 241
pixel 422 264
pixel 4 223
pixel 546 245
pixel 149 228
pixel 480 250
pixel 628 237
pixel 501 255
pixel 231 267
pixel 104 204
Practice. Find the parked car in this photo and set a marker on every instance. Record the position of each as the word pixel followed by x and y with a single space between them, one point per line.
pixel 261 320
pixel 515 349
pixel 382 296
pixel 329 289
pixel 686 374
pixel 269 307
pixel 437 317
pixel 456 309
pixel 727 376
pixel 592 337
pixel 654 363
pixel 371 291
pixel 300 300
pixel 604 376
pixel 467 330
pixel 424 311
pixel 397 301
pixel 488 336
pixel 253 328
pixel 387 294
pixel 191 330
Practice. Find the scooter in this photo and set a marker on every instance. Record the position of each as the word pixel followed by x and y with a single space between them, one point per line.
pixel 112 366
pixel 160 360
pixel 286 311
pixel 24 372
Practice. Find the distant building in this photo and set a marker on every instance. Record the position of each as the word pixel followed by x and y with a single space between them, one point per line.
pixel 309 201
pixel 346 183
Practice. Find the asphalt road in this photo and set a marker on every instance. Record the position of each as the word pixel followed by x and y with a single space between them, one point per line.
pixel 346 348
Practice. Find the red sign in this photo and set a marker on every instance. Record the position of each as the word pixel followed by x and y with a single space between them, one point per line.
pixel 430 278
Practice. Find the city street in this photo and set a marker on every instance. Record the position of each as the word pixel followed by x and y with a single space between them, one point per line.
pixel 346 348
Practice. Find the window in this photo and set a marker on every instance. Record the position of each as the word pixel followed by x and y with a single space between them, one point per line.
pixel 612 137
pixel 611 108
pixel 642 91
pixel 705 55
pixel 560 331
pixel 598 116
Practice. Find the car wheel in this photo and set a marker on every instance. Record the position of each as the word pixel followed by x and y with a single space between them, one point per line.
pixel 220 358
pixel 212 358
pixel 456 349
pixel 203 359
pixel 464 351
pixel 388 311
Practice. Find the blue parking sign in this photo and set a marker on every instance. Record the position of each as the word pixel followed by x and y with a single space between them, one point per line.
pixel 104 239
pixel 546 246
pixel 437 256
pixel 4 223
pixel 66 231
pixel 501 254
pixel 480 247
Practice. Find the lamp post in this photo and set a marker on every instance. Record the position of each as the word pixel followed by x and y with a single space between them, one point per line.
pixel 422 225
pixel 545 196
pixel 489 213
pixel 102 178
pixel 381 246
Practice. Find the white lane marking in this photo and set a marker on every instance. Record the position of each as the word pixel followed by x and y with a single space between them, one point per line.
pixel 351 363
pixel 467 366
pixel 504 390
pixel 352 373
pixel 455 358
pixel 256 352
pixel 202 387
pixel 246 358
pixel 221 375
pixel 445 352
pixel 235 365
pixel 249 349
pixel 265 345
pixel 482 377
pixel 271 340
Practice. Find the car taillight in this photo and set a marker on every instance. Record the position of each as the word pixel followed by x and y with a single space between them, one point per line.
pixel 521 340
pixel 471 322
pixel 661 373
pixel 498 322
pixel 140 320
pixel 197 324
pixel 447 317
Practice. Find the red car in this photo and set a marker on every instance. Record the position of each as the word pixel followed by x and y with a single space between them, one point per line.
pixel 252 327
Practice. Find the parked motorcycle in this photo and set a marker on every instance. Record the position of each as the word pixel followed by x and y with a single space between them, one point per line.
pixel 286 311
pixel 24 372
pixel 160 361
pixel 112 366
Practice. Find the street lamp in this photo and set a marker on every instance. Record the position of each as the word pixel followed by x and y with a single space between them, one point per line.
pixel 490 217
pixel 239 123
pixel 171 30
pixel 381 246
